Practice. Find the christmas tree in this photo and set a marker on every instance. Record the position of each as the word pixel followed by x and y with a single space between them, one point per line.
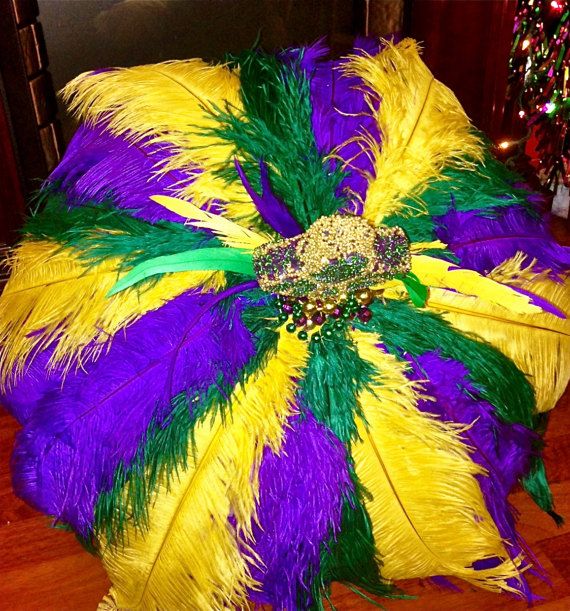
pixel 540 80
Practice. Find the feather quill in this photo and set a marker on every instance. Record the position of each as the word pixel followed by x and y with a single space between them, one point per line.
pixel 54 298
pixel 422 124
pixel 165 567
pixel 426 506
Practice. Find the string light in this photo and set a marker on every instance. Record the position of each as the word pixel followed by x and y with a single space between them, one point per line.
pixel 539 79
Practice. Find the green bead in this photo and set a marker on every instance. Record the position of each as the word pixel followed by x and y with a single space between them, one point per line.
pixel 338 324
pixel 316 337
pixel 328 333
pixel 291 327
pixel 282 317
pixel 302 335
pixel 346 314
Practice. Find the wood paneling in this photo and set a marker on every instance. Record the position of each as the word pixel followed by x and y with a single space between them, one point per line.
pixel 466 46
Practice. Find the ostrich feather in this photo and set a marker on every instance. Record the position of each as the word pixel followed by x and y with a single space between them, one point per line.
pixel 483 192
pixel 275 126
pixel 426 506
pixel 74 441
pixel 230 233
pixel 409 330
pixel 99 231
pixel 422 124
pixel 483 242
pixel 98 164
pixel 503 450
pixel 171 104
pixel 164 567
pixel 53 298
pixel 343 123
pixel 301 491
pixel 539 344
pixel 27 394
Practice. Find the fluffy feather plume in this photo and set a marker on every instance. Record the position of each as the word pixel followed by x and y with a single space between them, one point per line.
pixel 539 344
pixel 54 298
pixel 422 124
pixel 484 241
pixel 428 512
pixel 301 493
pixel 165 567
pixel 97 164
pixel 230 233
pixel 169 104
pixel 503 450
pixel 437 273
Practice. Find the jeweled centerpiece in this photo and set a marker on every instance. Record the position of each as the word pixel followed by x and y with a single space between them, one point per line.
pixel 337 254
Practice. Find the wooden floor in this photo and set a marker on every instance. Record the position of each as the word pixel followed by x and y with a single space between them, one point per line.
pixel 46 569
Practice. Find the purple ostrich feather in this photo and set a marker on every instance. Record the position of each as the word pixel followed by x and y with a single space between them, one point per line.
pixel 300 502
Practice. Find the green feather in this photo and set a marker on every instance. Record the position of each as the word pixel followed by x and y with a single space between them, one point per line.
pixel 417 291
pixel 276 127
pixel 405 329
pixel 100 231
pixel 204 259
pixel 334 377
pixel 351 557
pixel 488 188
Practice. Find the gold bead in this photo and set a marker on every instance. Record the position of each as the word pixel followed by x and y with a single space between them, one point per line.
pixel 329 306
pixel 310 324
pixel 343 297
pixel 309 307
pixel 364 297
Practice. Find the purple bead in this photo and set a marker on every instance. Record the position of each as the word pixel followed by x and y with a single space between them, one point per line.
pixel 336 313
pixel 319 318
pixel 287 308
pixel 301 322
pixel 364 314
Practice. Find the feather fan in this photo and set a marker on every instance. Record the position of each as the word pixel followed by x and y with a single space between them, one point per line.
pixel 221 446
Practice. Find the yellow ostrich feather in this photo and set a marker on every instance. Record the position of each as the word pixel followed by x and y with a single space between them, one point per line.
pixel 422 124
pixel 232 234
pixel 171 103
pixel 190 557
pixel 539 344
pixel 53 298
pixel 427 509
